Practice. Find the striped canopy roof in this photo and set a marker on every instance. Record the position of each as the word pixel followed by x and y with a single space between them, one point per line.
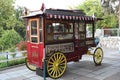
pixel 63 14
pixel 67 14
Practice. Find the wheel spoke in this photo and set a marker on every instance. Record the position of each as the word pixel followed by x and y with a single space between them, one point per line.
pixel 51 59
pixel 57 56
pixel 62 61
pixel 54 57
pixel 50 66
pixel 60 70
pixel 62 64
pixel 50 69
pixel 61 57
pixel 50 62
pixel 56 73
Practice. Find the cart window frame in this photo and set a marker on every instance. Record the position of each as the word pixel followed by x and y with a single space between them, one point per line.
pixel 34 26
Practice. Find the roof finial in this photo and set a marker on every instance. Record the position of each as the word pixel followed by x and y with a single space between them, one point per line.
pixel 93 15
pixel 43 7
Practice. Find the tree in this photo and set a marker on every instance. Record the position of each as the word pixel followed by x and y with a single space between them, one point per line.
pixel 11 25
pixel 94 7
pixel 7 18
pixel 111 7
pixel 9 39
pixel 10 17
pixel 19 25
pixel 91 7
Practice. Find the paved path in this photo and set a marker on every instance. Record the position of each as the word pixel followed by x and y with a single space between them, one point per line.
pixel 83 70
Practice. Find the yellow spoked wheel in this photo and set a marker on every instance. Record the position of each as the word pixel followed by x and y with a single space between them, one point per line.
pixel 29 66
pixel 98 56
pixel 56 65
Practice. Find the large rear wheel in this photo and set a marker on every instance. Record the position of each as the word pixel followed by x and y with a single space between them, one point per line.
pixel 56 65
pixel 29 66
pixel 98 56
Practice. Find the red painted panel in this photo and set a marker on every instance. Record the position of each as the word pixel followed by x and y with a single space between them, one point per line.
pixel 35 54
pixel 41 52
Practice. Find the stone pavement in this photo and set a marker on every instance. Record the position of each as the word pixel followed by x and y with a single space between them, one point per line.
pixel 82 70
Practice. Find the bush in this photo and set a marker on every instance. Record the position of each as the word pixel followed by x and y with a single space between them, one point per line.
pixel 21 46
pixel 9 39
pixel 3 64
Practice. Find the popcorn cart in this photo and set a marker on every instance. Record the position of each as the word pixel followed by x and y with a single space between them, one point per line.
pixel 59 36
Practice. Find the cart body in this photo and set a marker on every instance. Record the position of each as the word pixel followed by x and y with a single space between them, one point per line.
pixel 55 30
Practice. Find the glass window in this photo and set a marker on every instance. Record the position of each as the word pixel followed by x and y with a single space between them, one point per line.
pixel 81 31
pixel 82 36
pixel 34 39
pixel 33 27
pixel 81 27
pixel 76 31
pixel 89 30
pixel 59 31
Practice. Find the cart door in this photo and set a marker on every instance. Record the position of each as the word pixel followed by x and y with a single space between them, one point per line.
pixel 35 46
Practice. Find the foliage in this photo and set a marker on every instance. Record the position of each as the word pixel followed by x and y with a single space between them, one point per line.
pixel 10 17
pixel 111 9
pixel 110 21
pixel 9 39
pixel 12 49
pixel 12 63
pixel 2 57
pixel 7 18
pixel 3 64
pixel 91 7
pixel 19 26
pixel 21 45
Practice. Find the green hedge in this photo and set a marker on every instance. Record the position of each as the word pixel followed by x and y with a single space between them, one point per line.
pixel 12 63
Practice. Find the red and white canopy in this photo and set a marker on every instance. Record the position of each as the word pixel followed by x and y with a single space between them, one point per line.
pixel 64 15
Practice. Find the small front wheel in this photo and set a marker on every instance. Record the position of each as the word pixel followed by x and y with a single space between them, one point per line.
pixel 98 56
pixel 29 66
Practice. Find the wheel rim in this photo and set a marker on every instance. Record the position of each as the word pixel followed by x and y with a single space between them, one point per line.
pixel 56 65
pixel 29 66
pixel 98 56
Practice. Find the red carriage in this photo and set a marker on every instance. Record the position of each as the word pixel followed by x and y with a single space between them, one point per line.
pixel 59 36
